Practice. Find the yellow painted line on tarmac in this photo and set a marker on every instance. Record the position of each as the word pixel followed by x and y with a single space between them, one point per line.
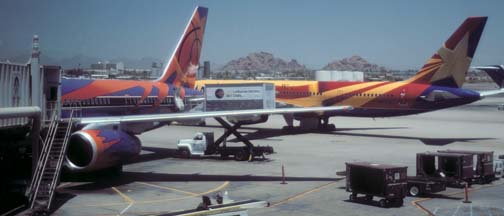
pixel 168 188
pixel 126 198
pixel 417 204
pixel 297 196
pixel 225 184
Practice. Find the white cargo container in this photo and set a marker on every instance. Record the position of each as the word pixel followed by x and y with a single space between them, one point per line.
pixel 220 97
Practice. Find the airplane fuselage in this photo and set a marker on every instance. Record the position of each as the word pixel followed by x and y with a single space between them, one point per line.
pixel 368 99
pixel 94 98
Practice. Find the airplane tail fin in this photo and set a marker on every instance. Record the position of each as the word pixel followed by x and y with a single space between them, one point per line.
pixel 495 72
pixel 448 66
pixel 182 67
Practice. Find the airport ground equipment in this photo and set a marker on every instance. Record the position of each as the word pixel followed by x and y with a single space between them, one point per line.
pixel 47 173
pixel 482 165
pixel 498 166
pixel 238 208
pixel 203 144
pixel 418 185
pixel 456 169
pixel 381 180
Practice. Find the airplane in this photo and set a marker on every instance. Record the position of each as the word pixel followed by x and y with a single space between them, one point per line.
pixel 437 85
pixel 111 113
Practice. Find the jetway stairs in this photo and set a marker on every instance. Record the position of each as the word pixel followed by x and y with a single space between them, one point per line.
pixel 47 173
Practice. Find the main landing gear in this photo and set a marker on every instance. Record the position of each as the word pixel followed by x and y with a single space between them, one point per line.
pixel 310 124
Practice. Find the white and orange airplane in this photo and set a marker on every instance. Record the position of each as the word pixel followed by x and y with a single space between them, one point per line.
pixel 437 85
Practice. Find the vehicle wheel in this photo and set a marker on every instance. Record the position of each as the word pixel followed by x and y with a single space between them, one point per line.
pixel 352 197
pixel 400 202
pixel 414 191
pixel 241 155
pixel 184 153
pixel 369 198
pixel 383 203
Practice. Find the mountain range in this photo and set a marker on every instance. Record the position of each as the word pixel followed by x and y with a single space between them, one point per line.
pixel 253 62
pixel 262 61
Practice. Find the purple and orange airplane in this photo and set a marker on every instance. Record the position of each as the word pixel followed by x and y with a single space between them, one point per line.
pixel 111 112
pixel 436 86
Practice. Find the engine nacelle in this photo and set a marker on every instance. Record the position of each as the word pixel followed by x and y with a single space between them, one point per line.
pixel 93 149
pixel 248 119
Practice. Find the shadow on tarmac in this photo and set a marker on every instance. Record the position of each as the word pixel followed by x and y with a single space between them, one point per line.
pixel 158 153
pixel 263 133
pixel 102 182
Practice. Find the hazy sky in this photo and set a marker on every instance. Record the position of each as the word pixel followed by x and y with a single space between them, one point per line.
pixel 393 33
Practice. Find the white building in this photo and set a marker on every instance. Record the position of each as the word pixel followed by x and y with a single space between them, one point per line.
pixel 333 75
pixel 29 84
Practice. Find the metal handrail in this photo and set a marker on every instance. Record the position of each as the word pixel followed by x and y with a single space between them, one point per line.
pixel 40 160
pixel 42 163
pixel 60 159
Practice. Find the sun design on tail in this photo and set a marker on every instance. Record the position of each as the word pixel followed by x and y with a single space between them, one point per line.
pixel 192 69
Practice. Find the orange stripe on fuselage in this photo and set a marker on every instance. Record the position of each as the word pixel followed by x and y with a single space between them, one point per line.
pixel 108 87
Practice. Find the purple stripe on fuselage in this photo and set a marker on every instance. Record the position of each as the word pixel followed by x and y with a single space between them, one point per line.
pixel 154 91
pixel 171 78
pixel 135 91
pixel 70 85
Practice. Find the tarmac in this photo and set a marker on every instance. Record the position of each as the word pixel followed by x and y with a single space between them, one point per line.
pixel 158 182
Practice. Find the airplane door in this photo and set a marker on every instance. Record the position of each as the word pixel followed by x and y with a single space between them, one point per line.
pixel 403 97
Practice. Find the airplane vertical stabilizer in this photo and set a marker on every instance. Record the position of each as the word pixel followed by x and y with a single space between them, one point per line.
pixel 449 65
pixel 182 67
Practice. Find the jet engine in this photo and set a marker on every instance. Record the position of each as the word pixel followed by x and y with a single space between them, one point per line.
pixel 94 149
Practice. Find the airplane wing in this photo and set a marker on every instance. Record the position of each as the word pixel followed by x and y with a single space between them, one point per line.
pixel 496 72
pixel 199 115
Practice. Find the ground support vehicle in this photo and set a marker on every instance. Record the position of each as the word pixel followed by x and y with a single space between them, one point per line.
pixel 456 169
pixel 482 165
pixel 418 185
pixel 381 180
pixel 498 167
pixel 203 144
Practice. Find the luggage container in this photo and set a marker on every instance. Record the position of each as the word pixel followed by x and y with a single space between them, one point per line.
pixel 381 180
pixel 454 168
pixel 482 164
